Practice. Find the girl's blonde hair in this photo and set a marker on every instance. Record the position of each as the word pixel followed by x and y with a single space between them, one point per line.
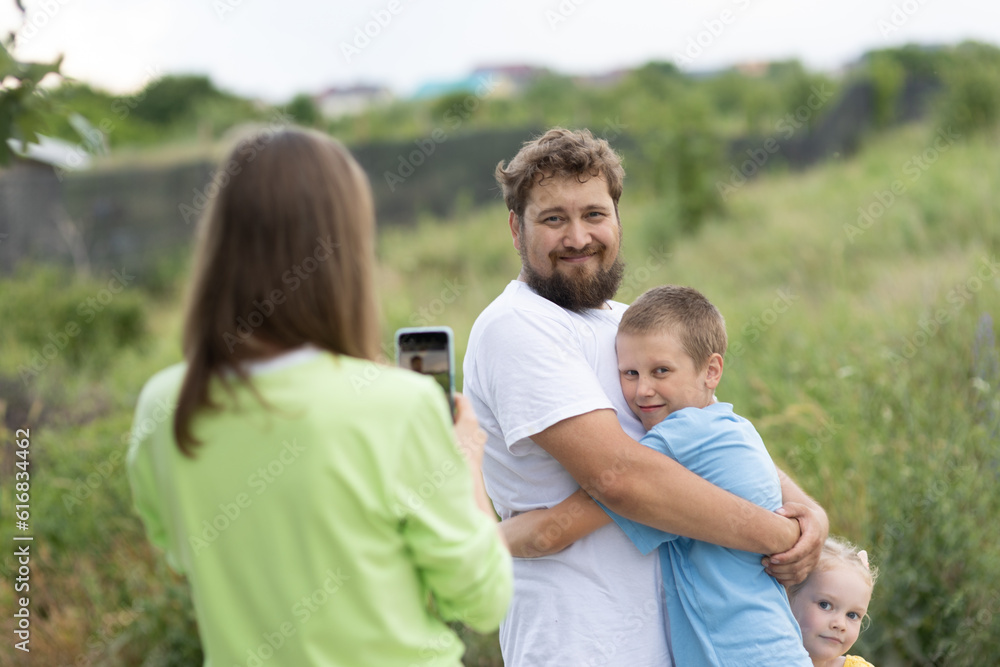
pixel 836 553
pixel 839 552
pixel 285 256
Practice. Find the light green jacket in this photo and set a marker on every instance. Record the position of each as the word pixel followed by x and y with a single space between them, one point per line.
pixel 335 527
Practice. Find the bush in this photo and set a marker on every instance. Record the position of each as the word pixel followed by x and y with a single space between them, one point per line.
pixel 84 322
pixel 887 77
pixel 972 101
pixel 681 163
pixel 939 470
pixel 99 593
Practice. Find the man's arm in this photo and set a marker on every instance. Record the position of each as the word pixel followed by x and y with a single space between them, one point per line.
pixel 794 565
pixel 547 531
pixel 653 489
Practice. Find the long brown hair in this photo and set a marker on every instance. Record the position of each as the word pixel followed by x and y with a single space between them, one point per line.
pixel 285 256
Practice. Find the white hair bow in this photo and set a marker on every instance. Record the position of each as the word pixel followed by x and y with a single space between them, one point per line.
pixel 863 557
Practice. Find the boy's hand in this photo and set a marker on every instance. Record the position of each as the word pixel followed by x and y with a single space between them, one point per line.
pixel 794 565
pixel 525 534
pixel 543 532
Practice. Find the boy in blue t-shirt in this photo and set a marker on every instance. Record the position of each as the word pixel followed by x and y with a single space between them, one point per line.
pixel 723 608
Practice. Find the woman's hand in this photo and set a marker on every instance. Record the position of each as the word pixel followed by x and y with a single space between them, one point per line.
pixel 472 442
pixel 471 439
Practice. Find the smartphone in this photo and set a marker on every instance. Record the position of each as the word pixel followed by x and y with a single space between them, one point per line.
pixel 429 350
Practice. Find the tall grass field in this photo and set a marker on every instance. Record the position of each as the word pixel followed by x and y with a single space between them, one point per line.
pixel 861 300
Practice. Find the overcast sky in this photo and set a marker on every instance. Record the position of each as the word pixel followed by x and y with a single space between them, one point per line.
pixel 272 50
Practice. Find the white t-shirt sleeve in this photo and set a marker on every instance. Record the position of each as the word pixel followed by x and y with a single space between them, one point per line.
pixel 536 374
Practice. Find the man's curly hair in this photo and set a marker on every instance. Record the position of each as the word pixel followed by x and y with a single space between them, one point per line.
pixel 559 152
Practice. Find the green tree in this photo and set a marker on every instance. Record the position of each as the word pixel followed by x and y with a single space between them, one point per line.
pixel 972 101
pixel 25 109
pixel 916 60
pixel 171 98
pixel 797 86
pixel 304 110
pixel 888 77
pixel 552 100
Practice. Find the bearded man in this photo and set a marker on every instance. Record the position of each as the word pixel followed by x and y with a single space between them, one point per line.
pixel 541 372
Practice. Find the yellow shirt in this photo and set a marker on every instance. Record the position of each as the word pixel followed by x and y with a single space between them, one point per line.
pixel 322 529
pixel 855 661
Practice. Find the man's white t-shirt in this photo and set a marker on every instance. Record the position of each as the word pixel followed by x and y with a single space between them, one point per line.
pixel 529 365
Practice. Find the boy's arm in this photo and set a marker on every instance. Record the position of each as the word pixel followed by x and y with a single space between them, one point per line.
pixel 646 486
pixel 792 566
pixel 547 531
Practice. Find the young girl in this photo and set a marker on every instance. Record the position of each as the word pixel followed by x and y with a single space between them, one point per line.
pixel 830 604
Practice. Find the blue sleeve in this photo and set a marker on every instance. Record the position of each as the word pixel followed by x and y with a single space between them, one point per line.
pixel 644 537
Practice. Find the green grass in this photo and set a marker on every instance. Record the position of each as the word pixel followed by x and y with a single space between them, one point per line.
pixel 854 354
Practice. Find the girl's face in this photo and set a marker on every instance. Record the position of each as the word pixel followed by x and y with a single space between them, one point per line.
pixel 829 609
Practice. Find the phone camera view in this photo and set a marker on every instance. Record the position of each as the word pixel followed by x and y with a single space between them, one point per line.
pixel 427 353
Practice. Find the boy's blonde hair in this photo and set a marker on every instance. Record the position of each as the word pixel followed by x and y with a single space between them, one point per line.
pixel 683 311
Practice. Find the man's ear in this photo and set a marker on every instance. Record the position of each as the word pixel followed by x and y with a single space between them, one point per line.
pixel 713 371
pixel 515 229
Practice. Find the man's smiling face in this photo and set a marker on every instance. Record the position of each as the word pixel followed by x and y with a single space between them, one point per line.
pixel 569 241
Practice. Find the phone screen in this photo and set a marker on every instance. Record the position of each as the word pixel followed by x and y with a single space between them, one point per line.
pixel 428 351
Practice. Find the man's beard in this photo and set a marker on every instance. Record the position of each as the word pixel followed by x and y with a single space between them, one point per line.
pixel 576 293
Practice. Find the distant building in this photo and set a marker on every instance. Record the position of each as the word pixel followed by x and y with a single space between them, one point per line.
pixel 433 89
pixel 351 100
pixel 605 80
pixel 509 80
pixel 500 81
pixel 33 219
pixel 753 69
pixel 55 153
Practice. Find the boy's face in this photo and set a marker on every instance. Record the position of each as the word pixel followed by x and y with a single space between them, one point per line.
pixel 658 377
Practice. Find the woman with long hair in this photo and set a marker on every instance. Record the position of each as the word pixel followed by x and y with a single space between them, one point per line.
pixel 315 499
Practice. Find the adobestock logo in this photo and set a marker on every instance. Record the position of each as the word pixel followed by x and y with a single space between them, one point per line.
pixel 95 137
pixel 57 340
pixel 293 277
pixel 43 12
pixel 786 127
pixel 230 512
pixel 303 611
pixel 713 29
pixel 912 169
pixel 454 117
pixel 899 16
pixel 363 35
pixel 426 315
pixel 759 325
pixel 957 297
pixel 225 173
